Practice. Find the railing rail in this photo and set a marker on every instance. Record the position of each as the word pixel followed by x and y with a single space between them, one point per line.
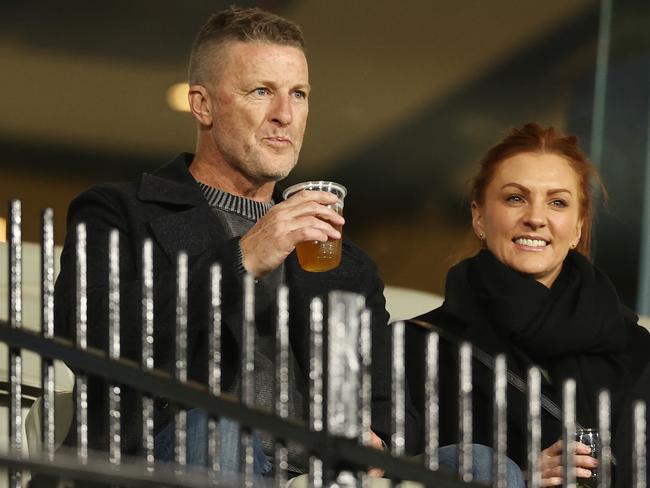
pixel 340 395
pixel 337 450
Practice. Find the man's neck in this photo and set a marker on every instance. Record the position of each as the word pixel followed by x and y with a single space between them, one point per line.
pixel 221 175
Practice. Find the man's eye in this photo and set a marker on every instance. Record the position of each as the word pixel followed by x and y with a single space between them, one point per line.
pixel 300 94
pixel 261 92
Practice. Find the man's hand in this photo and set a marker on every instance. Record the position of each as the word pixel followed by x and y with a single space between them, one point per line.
pixel 301 218
pixel 551 463
pixel 376 442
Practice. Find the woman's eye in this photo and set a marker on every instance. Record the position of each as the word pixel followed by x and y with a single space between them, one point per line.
pixel 515 199
pixel 559 203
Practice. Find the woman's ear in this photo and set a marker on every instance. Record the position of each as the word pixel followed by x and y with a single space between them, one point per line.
pixel 200 104
pixel 477 221
pixel 578 232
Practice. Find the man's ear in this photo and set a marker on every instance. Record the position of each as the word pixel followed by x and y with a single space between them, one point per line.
pixel 200 104
pixel 477 221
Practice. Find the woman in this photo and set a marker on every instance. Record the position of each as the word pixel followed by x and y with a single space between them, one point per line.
pixel 532 293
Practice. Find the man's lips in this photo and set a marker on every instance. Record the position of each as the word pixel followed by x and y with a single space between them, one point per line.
pixel 278 141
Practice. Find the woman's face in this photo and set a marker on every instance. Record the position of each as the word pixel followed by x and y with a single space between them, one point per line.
pixel 531 214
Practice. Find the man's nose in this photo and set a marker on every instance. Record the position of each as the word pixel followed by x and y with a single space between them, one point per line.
pixel 281 111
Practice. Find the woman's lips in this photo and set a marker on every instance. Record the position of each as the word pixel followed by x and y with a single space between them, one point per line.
pixel 531 243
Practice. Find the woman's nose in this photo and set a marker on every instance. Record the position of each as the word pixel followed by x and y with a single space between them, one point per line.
pixel 535 216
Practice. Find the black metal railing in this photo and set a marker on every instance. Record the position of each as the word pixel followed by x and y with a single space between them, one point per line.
pixel 332 447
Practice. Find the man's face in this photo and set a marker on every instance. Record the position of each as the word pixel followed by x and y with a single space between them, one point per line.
pixel 259 103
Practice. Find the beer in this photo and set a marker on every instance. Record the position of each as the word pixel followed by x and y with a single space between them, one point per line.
pixel 317 256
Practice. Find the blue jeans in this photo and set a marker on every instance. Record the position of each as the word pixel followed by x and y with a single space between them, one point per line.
pixel 197 452
pixel 481 465
pixel 197 445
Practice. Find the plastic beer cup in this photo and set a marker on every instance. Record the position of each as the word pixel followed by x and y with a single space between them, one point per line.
pixel 317 256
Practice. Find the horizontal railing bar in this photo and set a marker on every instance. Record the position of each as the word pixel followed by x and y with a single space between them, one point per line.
pixel 341 451
pixel 395 468
pixel 67 466
pixel 158 383
pixel 27 392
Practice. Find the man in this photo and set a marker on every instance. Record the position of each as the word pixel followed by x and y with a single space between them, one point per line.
pixel 249 93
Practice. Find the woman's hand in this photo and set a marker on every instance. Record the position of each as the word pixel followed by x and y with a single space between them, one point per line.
pixel 377 443
pixel 551 463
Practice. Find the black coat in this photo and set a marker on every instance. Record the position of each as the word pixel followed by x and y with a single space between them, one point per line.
pixel 455 324
pixel 169 207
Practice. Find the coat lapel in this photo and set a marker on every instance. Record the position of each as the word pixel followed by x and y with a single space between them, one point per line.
pixel 193 227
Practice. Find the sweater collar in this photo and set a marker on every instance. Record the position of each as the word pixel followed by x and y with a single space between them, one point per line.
pixel 173 183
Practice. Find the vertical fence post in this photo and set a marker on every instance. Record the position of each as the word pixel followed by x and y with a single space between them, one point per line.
pixel 365 390
pixel 500 436
pixel 81 333
pixel 47 329
pixel 114 345
pixel 180 421
pixel 248 374
pixel 534 427
pixel 147 319
pixel 568 433
pixel 282 383
pixel 605 452
pixel 214 369
pixel 343 326
pixel 365 378
pixel 15 366
pixel 398 443
pixel 431 403
pixel 316 478
pixel 639 468
pixel 465 412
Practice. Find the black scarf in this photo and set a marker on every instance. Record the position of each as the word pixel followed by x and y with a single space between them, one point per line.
pixel 575 329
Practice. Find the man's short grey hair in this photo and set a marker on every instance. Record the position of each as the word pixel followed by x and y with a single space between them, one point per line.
pixel 238 24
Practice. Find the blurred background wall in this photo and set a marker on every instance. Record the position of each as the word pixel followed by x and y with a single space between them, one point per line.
pixel 406 98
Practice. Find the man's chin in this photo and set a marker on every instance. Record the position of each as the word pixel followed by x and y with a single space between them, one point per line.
pixel 278 170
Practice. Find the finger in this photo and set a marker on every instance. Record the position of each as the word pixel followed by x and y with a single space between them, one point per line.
pixel 311 229
pixel 582 448
pixel 551 462
pixel 553 481
pixel 292 212
pixel 313 221
pixel 554 472
pixel 585 461
pixel 554 449
pixel 583 473
pixel 375 441
pixel 375 472
pixel 288 233
pixel 323 197
pixel 317 210
pixel 310 221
